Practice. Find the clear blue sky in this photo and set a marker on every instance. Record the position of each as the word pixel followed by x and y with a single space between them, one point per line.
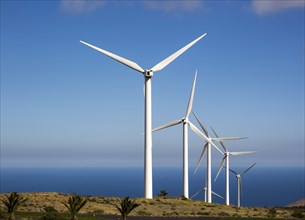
pixel 64 104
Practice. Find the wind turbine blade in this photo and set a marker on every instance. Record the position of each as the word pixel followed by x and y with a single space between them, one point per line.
pixel 214 193
pixel 223 146
pixel 233 172
pixel 220 167
pixel 201 157
pixel 197 193
pixel 228 138
pixel 216 148
pixel 242 153
pixel 172 57
pixel 189 107
pixel 247 169
pixel 173 123
pixel 201 125
pixel 122 60
pixel 199 133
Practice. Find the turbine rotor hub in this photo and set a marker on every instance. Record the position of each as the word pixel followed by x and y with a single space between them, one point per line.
pixel 148 73
pixel 185 120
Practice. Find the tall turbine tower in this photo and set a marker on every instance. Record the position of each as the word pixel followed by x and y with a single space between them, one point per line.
pixel 207 148
pixel 148 74
pixel 226 159
pixel 239 185
pixel 185 122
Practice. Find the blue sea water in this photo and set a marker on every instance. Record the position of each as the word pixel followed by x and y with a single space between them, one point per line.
pixel 261 186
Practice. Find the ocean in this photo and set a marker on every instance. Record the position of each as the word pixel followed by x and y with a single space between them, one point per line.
pixel 260 186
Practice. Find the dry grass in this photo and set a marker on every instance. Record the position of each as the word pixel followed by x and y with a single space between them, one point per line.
pixel 149 207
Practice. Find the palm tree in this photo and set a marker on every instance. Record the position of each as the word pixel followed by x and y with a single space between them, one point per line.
pixel 74 204
pixel 126 206
pixel 12 202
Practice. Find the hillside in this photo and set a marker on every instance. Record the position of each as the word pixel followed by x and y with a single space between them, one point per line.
pixel 161 207
pixel 298 203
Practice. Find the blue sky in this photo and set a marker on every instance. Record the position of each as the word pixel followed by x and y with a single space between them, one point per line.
pixel 64 104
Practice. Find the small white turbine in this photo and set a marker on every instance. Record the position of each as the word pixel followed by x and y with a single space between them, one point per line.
pixel 185 122
pixel 239 185
pixel 207 148
pixel 148 74
pixel 226 159
pixel 204 189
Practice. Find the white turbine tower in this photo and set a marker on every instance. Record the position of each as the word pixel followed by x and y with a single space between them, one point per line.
pixel 148 74
pixel 185 122
pixel 207 148
pixel 239 185
pixel 226 159
pixel 204 189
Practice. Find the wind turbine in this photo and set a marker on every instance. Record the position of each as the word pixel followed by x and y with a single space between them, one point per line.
pixel 239 185
pixel 207 148
pixel 226 159
pixel 204 189
pixel 148 74
pixel 185 122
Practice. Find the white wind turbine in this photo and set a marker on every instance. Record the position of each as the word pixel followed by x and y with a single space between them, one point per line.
pixel 239 185
pixel 148 74
pixel 185 122
pixel 207 148
pixel 204 189
pixel 226 159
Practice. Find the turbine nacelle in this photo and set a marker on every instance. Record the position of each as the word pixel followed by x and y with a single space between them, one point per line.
pixel 185 120
pixel 148 73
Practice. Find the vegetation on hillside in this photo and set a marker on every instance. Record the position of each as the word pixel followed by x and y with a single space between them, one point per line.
pixel 74 204
pixel 126 206
pixel 47 206
pixel 12 202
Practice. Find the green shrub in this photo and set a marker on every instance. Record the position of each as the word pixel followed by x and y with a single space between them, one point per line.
pixel 183 197
pixel 223 214
pixel 271 212
pixel 51 216
pixel 50 209
pixel 297 214
pixel 162 193
pixel 175 213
